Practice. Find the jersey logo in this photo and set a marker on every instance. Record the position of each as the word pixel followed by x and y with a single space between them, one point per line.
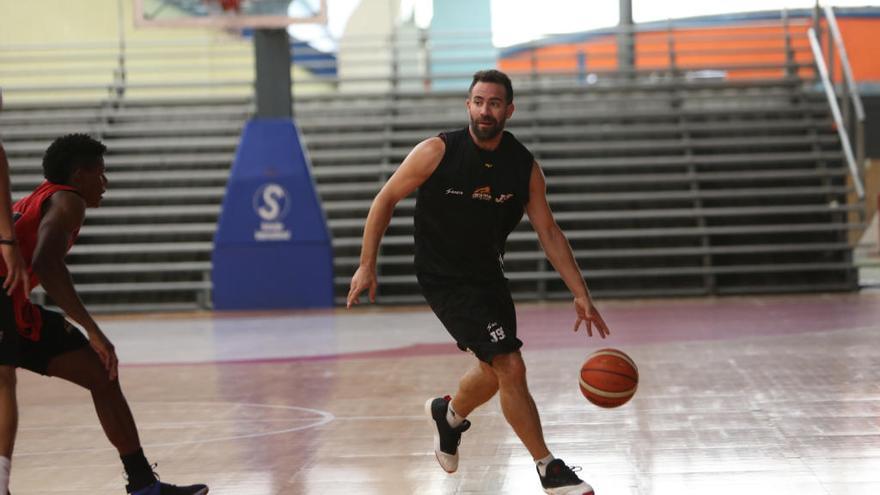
pixel 503 197
pixel 488 165
pixel 482 193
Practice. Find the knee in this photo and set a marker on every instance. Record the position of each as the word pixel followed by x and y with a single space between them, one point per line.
pixel 488 372
pixel 91 374
pixel 99 382
pixel 509 368
pixel 7 378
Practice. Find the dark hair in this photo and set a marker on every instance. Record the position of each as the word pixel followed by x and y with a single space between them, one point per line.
pixel 68 153
pixel 494 76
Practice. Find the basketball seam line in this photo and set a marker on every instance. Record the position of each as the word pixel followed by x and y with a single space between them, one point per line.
pixel 617 373
pixel 607 395
pixel 610 352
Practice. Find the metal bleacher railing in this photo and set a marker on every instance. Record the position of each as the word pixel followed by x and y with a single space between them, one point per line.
pixel 852 120
pixel 654 171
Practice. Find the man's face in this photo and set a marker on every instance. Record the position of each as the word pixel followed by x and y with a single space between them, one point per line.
pixel 91 182
pixel 488 110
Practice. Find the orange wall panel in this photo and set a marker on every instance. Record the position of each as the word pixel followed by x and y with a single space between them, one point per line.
pixel 862 38
pixel 709 47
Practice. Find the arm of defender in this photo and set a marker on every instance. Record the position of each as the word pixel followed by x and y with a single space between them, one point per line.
pixel 416 168
pixel 16 269
pixel 63 216
pixel 558 251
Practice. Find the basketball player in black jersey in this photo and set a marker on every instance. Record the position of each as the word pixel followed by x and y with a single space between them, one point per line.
pixel 473 186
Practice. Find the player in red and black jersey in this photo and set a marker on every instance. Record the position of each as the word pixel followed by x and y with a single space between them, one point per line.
pixel 15 280
pixel 47 223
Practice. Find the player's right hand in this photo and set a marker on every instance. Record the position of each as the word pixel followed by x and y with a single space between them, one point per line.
pixel 364 278
pixel 588 313
pixel 106 352
pixel 16 270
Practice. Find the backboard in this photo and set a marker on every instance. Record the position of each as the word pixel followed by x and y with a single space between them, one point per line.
pixel 229 14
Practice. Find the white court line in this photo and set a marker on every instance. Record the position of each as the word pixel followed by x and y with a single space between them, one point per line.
pixel 324 417
pixel 159 426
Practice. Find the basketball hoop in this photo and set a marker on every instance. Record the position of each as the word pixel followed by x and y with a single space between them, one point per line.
pixel 228 14
pixel 231 6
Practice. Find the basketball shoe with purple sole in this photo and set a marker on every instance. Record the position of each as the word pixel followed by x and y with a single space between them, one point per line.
pixel 159 488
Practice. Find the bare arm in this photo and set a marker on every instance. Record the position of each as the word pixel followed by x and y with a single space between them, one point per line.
pixel 6 229
pixel 558 251
pixel 16 270
pixel 63 216
pixel 416 168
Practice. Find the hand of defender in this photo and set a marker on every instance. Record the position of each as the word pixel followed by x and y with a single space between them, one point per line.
pixel 106 352
pixel 17 275
pixel 363 279
pixel 588 313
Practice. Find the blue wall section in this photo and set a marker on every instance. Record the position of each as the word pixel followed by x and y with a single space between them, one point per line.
pixel 272 249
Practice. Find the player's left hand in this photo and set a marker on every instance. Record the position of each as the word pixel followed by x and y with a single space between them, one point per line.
pixel 363 279
pixel 17 275
pixel 588 313
pixel 106 352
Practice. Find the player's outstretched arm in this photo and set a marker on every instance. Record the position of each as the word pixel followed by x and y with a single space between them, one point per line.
pixel 416 168
pixel 16 270
pixel 64 216
pixel 558 251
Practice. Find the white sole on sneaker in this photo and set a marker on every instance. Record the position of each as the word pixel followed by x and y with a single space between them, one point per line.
pixel 202 492
pixel 582 489
pixel 449 463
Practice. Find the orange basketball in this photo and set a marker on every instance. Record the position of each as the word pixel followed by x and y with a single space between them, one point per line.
pixel 609 378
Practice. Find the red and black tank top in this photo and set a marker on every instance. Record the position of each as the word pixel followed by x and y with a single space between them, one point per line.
pixel 27 214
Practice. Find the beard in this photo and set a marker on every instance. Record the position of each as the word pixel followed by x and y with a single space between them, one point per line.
pixel 486 133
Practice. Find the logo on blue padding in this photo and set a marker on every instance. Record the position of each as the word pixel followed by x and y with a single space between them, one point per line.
pixel 271 204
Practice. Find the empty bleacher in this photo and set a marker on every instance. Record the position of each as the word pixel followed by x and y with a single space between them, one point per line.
pixel 665 183
pixel 682 188
pixel 149 245
pixel 705 187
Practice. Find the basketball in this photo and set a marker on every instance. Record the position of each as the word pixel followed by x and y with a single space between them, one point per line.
pixel 609 378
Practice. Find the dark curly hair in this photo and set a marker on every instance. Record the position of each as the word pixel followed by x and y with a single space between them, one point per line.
pixel 68 153
pixel 493 76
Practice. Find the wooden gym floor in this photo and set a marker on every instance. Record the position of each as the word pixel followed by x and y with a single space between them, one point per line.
pixel 757 395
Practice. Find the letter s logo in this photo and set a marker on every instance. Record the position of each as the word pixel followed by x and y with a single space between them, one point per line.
pixel 271 202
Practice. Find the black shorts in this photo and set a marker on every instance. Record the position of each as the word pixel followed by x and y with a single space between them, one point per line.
pixel 479 315
pixel 57 336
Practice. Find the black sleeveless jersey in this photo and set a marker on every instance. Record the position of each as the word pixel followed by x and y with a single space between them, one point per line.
pixel 468 207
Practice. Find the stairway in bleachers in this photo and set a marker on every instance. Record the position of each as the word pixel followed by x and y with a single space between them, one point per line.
pixel 692 188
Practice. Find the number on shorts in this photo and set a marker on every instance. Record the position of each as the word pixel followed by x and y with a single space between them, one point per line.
pixel 496 332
